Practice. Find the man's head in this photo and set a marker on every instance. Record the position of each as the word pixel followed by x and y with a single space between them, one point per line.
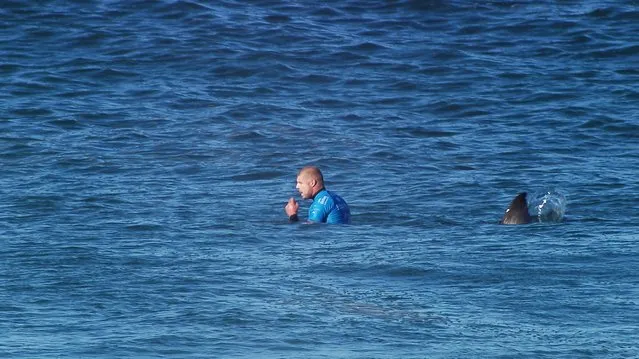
pixel 309 182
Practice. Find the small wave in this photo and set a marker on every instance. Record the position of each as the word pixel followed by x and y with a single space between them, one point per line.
pixel 31 112
pixel 227 71
pixel 407 271
pixel 40 34
pixel 581 39
pixel 426 133
pixel 404 85
pixel 28 88
pixel 247 135
pixel 447 55
pixel 367 47
pixel 326 12
pixel 77 94
pixel 596 123
pixel 619 51
pixel 192 103
pixel 143 227
pixel 387 155
pixel 109 74
pixel 473 113
pixel 628 72
pixel 93 39
pixel 67 124
pixel 181 10
pixel 626 130
pixel 548 51
pixel 343 56
pixel 613 126
pixel 547 96
pixel 277 19
pixel 352 117
pixel 327 103
pixel 257 176
pixel 388 101
pixel 446 107
pixel 613 13
pixel 471 30
pixel 319 79
pixel 7 69
pixel 464 168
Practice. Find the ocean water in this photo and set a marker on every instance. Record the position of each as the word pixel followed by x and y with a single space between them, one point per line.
pixel 148 149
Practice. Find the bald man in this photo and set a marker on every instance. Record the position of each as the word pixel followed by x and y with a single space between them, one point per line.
pixel 327 207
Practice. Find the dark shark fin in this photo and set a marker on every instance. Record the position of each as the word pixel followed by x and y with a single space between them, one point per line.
pixel 517 211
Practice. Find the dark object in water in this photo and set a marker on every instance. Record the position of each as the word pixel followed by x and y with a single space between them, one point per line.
pixel 517 211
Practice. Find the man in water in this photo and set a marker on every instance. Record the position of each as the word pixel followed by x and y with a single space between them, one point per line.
pixel 327 207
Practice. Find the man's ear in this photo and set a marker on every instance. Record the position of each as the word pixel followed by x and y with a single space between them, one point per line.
pixel 313 182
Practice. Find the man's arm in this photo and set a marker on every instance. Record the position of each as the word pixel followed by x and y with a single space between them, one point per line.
pixel 317 213
pixel 291 210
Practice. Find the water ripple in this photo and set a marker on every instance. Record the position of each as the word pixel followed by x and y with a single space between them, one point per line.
pixel 148 150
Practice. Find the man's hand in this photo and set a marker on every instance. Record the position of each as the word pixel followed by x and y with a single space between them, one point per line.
pixel 291 208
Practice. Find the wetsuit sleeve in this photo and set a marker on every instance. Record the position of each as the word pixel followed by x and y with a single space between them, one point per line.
pixel 317 213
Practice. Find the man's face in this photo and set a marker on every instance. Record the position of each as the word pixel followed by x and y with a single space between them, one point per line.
pixel 305 186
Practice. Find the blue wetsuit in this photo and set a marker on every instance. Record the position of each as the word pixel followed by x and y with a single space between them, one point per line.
pixel 327 207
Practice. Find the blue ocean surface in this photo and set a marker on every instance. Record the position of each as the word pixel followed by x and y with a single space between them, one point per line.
pixel 148 148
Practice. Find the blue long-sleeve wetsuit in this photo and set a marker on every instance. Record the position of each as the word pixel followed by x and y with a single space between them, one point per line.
pixel 328 207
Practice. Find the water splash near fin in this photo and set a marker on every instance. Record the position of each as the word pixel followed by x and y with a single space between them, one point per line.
pixel 549 206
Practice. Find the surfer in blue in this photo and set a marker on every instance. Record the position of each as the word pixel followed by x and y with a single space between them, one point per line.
pixel 327 207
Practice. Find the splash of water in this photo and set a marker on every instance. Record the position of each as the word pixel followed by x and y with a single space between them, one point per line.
pixel 548 207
